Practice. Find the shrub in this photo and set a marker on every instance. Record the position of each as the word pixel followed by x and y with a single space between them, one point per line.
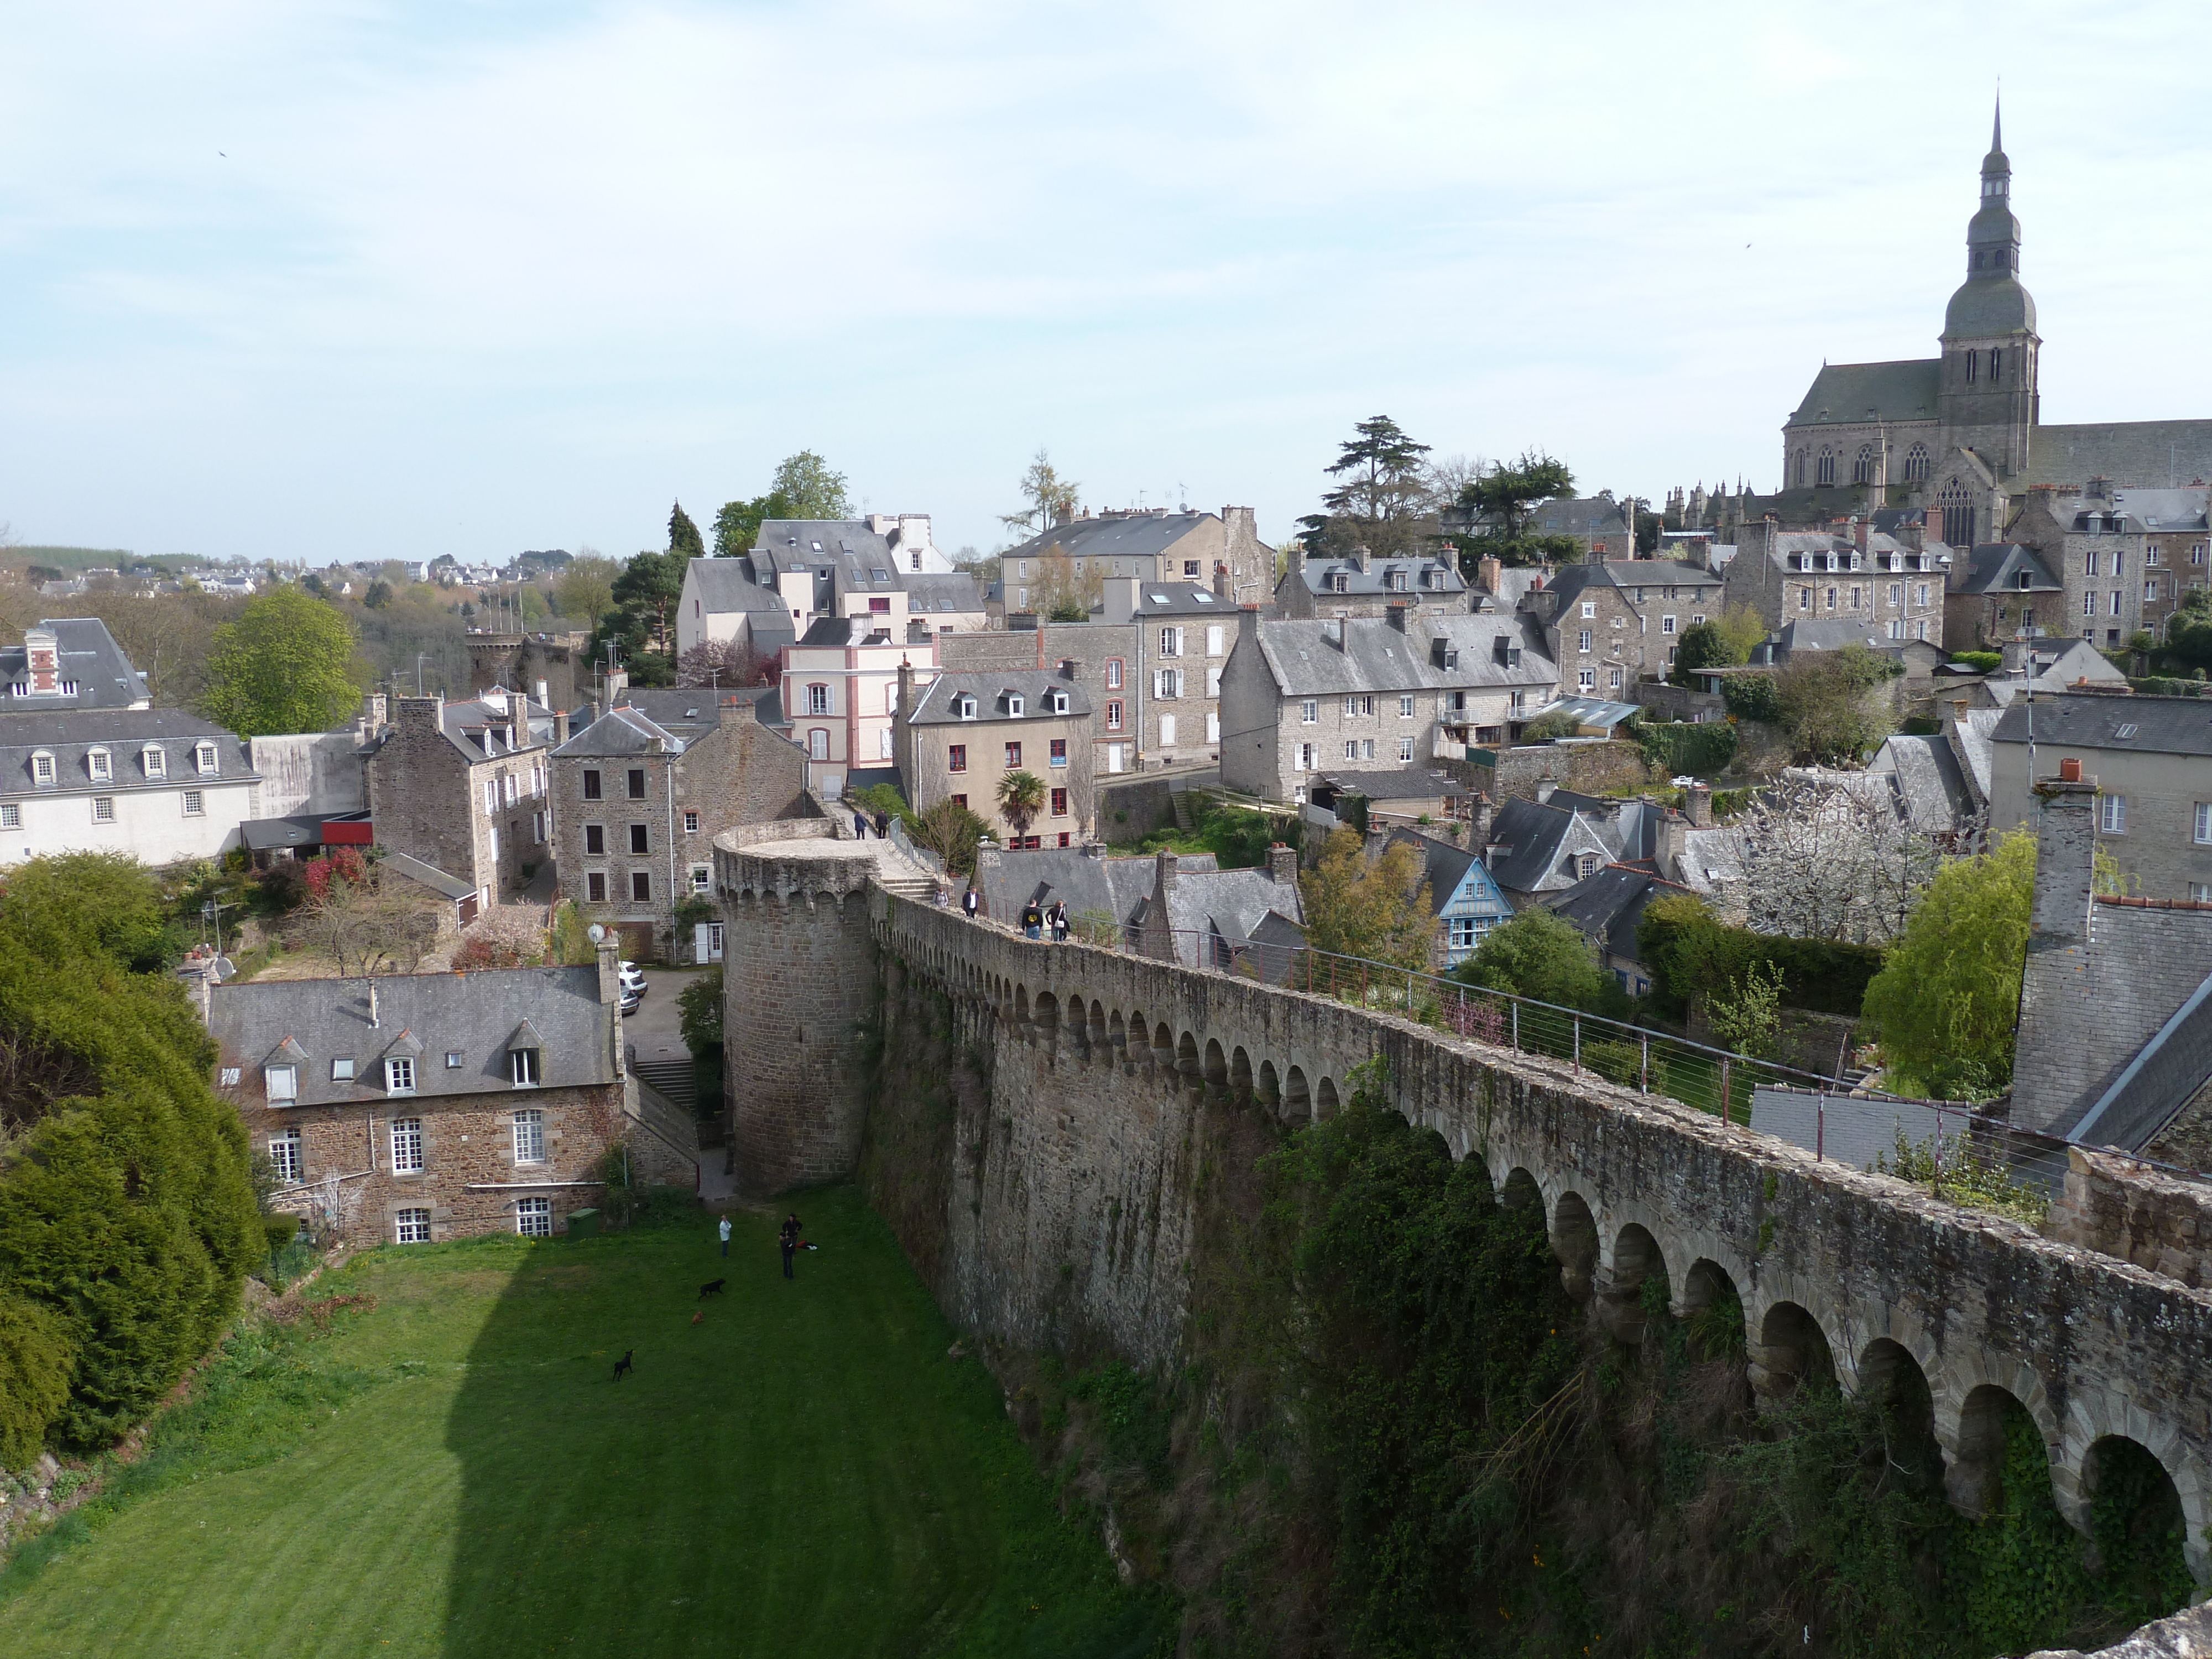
pixel 699 1010
pixel 1752 697
pixel 1987 662
pixel 1690 950
pixel 1539 955
pixel 1680 747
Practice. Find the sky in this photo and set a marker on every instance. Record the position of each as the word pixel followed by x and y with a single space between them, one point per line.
pixel 340 280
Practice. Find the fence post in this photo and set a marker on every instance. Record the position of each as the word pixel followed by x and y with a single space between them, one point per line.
pixel 1578 1045
pixel 1409 993
pixel 1821 1127
pixel 1643 1079
pixel 1728 1103
pixel 1462 1011
pixel 1363 983
pixel 1517 1028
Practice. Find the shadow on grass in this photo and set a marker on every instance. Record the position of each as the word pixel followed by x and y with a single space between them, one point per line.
pixel 793 1466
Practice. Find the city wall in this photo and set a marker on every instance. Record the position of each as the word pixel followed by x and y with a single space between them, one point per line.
pixel 1097 1091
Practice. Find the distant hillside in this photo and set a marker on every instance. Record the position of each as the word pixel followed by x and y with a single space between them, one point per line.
pixel 80 558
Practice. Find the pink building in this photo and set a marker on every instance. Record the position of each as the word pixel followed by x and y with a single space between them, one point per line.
pixel 840 696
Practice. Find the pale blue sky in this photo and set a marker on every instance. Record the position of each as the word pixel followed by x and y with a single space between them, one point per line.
pixel 349 280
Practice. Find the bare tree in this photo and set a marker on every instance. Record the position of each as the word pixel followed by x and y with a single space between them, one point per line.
pixel 371 925
pixel 1831 855
pixel 1052 499
pixel 728 663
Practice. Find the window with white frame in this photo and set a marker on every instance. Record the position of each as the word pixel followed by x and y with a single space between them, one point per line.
pixel 522 1067
pixel 817 744
pixel 407 1145
pixel 195 803
pixel 1404 709
pixel 691 823
pixel 2204 823
pixel 42 767
pixel 1310 712
pixel 1586 679
pixel 1351 749
pixel 203 756
pixel 533 1218
pixel 1367 748
pixel 11 815
pixel 818 699
pixel 398 1075
pixel 1170 641
pixel 1583 640
pixel 491 796
pixel 342 1070
pixel 103 809
pixel 1589 607
pixel 411 1226
pixel 1405 749
pixel 1014 703
pixel 2200 892
pixel 1466 932
pixel 99 764
pixel 154 761
pixel 1167 684
pixel 702 879
pixel 282 1082
pixel 284 1156
pixel 2112 814
pixel 1214 637
pixel 1666 624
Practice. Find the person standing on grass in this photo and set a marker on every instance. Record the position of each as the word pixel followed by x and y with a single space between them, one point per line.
pixel 788 1237
pixel 725 1230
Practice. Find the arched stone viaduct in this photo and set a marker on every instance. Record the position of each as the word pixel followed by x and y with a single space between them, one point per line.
pixel 1102 1063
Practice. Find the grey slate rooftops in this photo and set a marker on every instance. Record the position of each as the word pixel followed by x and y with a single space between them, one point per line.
pixel 996 693
pixel 1372 578
pixel 1607 905
pixel 89 659
pixel 1570 580
pixel 621 733
pixel 929 592
pixel 1374 656
pixel 1579 515
pixel 2155 1083
pixel 70 737
pixel 1236 905
pixel 456 1027
pixel 840 631
pixel 1177 598
pixel 2133 510
pixel 1850 393
pixel 1932 793
pixel 1411 785
pixel 2158 726
pixel 1443 864
pixel 2169 454
pixel 863 558
pixel 1124 535
pixel 1999 567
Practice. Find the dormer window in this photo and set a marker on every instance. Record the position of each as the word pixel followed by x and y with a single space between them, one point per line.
pixel 522 1067
pixel 156 760
pixel 1013 702
pixel 283 1083
pixel 398 1074
pixel 1338 582
pixel 1057 702
pixel 1397 581
pixel 42 767
pixel 963 706
pixel 203 756
pixel 98 762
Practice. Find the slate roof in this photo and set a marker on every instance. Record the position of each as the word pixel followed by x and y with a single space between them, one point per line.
pixel 1996 567
pixel 2131 511
pixel 2157 725
pixel 1987 306
pixel 1932 795
pixel 1534 837
pixel 1515 584
pixel 1141 535
pixel 1375 657
pixel 1433 577
pixel 88 656
pixel 843 631
pixel 1410 784
pixel 2159 1080
pixel 1444 864
pixel 1845 394
pixel 929 593
pixel 933 706
pixel 70 735
pixel 726 585
pixel 1570 580
pixel 428 875
pixel 2152 453
pixel 1579 515
pixel 1176 598
pixel 1711 858
pixel 1607 905
pixel 472 1015
pixel 1233 905
pixel 620 732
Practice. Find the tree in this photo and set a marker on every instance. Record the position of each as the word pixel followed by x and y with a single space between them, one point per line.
pixel 950 830
pixel 1021 798
pixel 1828 857
pixel 724 664
pixel 1383 502
pixel 363 923
pixel 1379 912
pixel 699 1012
pixel 586 588
pixel 1052 499
pixel 737 526
pixel 1830 707
pixel 683 541
pixel 283 667
pixel 1701 646
pixel 649 584
pixel 1947 997
pixel 1539 955
pixel 1063 594
pixel 379 595
pixel 809 489
pixel 1505 496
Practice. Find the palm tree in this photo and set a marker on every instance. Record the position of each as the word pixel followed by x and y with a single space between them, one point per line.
pixel 1021 798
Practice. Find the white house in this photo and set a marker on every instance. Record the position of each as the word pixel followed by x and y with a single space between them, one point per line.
pixel 158 784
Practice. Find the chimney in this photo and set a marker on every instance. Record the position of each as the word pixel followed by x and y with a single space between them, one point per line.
pixel 1700 807
pixel 1163 864
pixel 595 711
pixel 905 704
pixel 1295 563
pixel 1094 849
pixel 1069 668
pixel 1673 842
pixel 1399 611
pixel 1283 865
pixel 421 714
pixel 1121 599
pixel 610 957
pixel 617 686
pixel 1332 629
pixel 373 1021
pixel 1483 812
pixel 1356 559
pixel 1859 532
pixel 2065 859
pixel 560 726
pixel 1544 789
pixel 1220 581
pixel 1491 573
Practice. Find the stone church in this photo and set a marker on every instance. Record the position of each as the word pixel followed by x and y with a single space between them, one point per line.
pixel 1962 434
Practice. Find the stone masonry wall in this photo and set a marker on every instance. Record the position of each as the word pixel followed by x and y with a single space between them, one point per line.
pixel 2120 1209
pixel 426 796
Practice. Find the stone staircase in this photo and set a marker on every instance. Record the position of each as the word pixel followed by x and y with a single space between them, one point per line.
pixel 900 874
pixel 673 1080
pixel 1186 820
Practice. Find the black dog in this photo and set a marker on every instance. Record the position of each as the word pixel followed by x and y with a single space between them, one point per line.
pixel 712 1287
pixel 624 1363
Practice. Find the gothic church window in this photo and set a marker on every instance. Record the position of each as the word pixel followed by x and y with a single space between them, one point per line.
pixel 1997 365
pixel 1862 468
pixel 1957 514
pixel 1803 456
pixel 1827 471
pixel 1916 464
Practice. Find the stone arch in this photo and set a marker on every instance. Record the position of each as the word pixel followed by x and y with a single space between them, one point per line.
pixel 1573 1233
pixel 1634 1259
pixel 1189 1067
pixel 1117 1033
pixel 1974 1474
pixel 1164 1045
pixel 1520 1190
pixel 1325 1099
pixel 1044 1014
pixel 1297 1099
pixel 1216 1064
pixel 1240 1072
pixel 1271 1085
pixel 1890 1378
pixel 1790 1352
pixel 1101 1035
pixel 1712 1302
pixel 2094 1416
pixel 2142 1511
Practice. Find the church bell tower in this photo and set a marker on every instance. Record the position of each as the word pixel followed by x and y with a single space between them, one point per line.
pixel 1987 401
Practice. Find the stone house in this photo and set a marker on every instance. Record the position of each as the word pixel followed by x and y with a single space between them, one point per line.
pixel 1464 897
pixel 1606 626
pixel 1155 545
pixel 961 734
pixel 157 784
pixel 2000 593
pixel 1606 907
pixel 1301 697
pixel 2151 761
pixel 798 571
pixel 1891 585
pixel 414 1108
pixel 2124 556
pixel 1362 584
pixel 639 794
pixel 462 788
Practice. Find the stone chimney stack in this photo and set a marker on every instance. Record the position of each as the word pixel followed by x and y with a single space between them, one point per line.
pixel 610 957
pixel 905 689
pixel 1490 573
pixel 1164 867
pixel 1674 843
pixel 560 727
pixel 1698 808
pixel 1283 865
pixel 1544 789
pixel 1484 813
pixel 2065 860
pixel 421 714
pixel 1400 610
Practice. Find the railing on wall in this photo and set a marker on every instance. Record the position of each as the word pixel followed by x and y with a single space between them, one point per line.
pixel 1828 1116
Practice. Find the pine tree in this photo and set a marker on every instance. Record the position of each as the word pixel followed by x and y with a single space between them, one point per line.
pixel 684 536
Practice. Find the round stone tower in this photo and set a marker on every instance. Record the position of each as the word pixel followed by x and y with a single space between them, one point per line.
pixel 798 969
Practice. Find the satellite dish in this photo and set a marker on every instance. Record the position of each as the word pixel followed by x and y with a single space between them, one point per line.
pixel 595 933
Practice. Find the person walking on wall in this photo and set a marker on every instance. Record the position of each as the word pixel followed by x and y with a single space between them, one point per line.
pixel 859 826
pixel 1060 921
pixel 968 901
pixel 883 826
pixel 725 1231
pixel 787 1237
pixel 1032 920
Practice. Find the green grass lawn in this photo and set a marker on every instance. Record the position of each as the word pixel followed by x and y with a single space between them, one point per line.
pixel 453 1473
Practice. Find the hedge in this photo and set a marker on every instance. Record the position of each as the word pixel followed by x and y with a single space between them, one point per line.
pixel 1688 950
pixel 1687 747
pixel 127 1214
pixel 1752 696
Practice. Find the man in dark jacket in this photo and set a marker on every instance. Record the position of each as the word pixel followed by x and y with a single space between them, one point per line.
pixel 967 901
pixel 787 1237
pixel 1032 920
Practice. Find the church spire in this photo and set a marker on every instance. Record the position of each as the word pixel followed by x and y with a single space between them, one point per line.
pixel 1996 128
